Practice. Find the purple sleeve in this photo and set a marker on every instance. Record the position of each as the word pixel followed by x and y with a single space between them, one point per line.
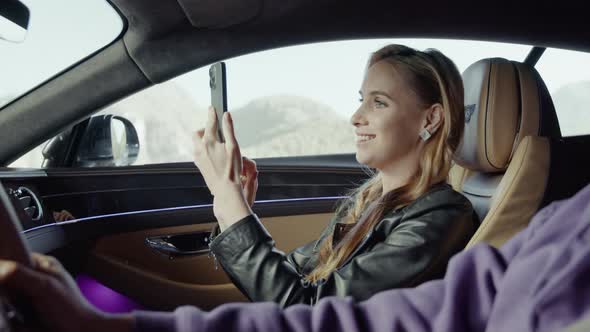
pixel 461 301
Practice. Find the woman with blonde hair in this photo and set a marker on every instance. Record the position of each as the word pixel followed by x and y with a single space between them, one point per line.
pixel 398 229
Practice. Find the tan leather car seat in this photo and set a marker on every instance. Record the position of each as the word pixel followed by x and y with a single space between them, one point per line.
pixel 502 164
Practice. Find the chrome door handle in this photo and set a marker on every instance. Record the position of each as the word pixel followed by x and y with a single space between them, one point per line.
pixel 180 244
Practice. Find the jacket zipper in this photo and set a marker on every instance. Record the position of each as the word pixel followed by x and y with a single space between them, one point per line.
pixel 358 248
pixel 211 253
pixel 314 298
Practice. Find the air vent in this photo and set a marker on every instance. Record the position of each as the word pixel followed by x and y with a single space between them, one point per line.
pixel 29 203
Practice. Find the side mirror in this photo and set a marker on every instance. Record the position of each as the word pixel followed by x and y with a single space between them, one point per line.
pixel 14 20
pixel 108 140
pixel 55 151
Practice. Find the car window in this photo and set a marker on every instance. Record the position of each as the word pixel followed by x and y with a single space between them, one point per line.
pixel 568 81
pixel 60 33
pixel 290 101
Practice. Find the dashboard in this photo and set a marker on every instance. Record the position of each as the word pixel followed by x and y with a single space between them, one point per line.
pixel 42 232
pixel 63 207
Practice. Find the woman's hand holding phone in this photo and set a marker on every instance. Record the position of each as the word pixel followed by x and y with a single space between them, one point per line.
pixel 221 166
pixel 249 179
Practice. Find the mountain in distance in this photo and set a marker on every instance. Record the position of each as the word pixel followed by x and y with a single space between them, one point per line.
pixel 166 117
pixel 287 125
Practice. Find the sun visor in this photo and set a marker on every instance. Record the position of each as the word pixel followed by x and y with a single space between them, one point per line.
pixel 220 13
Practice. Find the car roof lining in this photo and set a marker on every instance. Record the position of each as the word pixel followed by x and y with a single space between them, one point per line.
pixel 220 13
pixel 161 42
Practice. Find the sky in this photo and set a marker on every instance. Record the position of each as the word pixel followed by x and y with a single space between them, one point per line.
pixel 329 73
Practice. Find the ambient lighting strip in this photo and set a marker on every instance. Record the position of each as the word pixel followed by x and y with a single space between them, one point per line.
pixel 179 208
pixel 104 297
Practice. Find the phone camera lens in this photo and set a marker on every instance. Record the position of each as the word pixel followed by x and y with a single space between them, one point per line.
pixel 212 77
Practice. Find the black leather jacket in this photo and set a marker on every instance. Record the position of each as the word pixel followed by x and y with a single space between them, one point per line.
pixel 407 247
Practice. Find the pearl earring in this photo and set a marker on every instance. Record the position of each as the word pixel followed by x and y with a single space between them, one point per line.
pixel 425 135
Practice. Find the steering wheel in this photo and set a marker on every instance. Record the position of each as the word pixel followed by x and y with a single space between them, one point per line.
pixel 12 247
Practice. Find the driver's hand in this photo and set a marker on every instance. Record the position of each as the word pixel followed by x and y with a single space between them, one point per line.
pixel 55 297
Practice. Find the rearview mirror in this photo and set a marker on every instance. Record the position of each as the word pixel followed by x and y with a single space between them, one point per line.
pixel 108 140
pixel 14 20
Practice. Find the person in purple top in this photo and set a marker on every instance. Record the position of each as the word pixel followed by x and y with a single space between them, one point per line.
pixel 538 281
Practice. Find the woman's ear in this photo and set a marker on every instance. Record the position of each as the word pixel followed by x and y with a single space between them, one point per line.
pixel 434 118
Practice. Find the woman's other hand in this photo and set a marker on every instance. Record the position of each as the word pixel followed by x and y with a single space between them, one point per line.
pixel 249 179
pixel 220 165
pixel 63 215
pixel 55 298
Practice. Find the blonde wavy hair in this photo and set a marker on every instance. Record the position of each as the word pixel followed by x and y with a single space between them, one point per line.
pixel 433 78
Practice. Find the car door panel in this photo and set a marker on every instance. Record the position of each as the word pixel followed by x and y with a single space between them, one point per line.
pixel 113 211
pixel 90 193
pixel 125 262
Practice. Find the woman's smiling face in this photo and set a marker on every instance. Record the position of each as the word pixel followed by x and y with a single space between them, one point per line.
pixel 389 119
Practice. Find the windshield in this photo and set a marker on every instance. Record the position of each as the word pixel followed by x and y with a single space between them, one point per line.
pixel 61 33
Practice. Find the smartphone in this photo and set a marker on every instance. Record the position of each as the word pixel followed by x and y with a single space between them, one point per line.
pixel 218 85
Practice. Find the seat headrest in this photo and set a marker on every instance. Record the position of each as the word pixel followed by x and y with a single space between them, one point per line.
pixel 505 101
